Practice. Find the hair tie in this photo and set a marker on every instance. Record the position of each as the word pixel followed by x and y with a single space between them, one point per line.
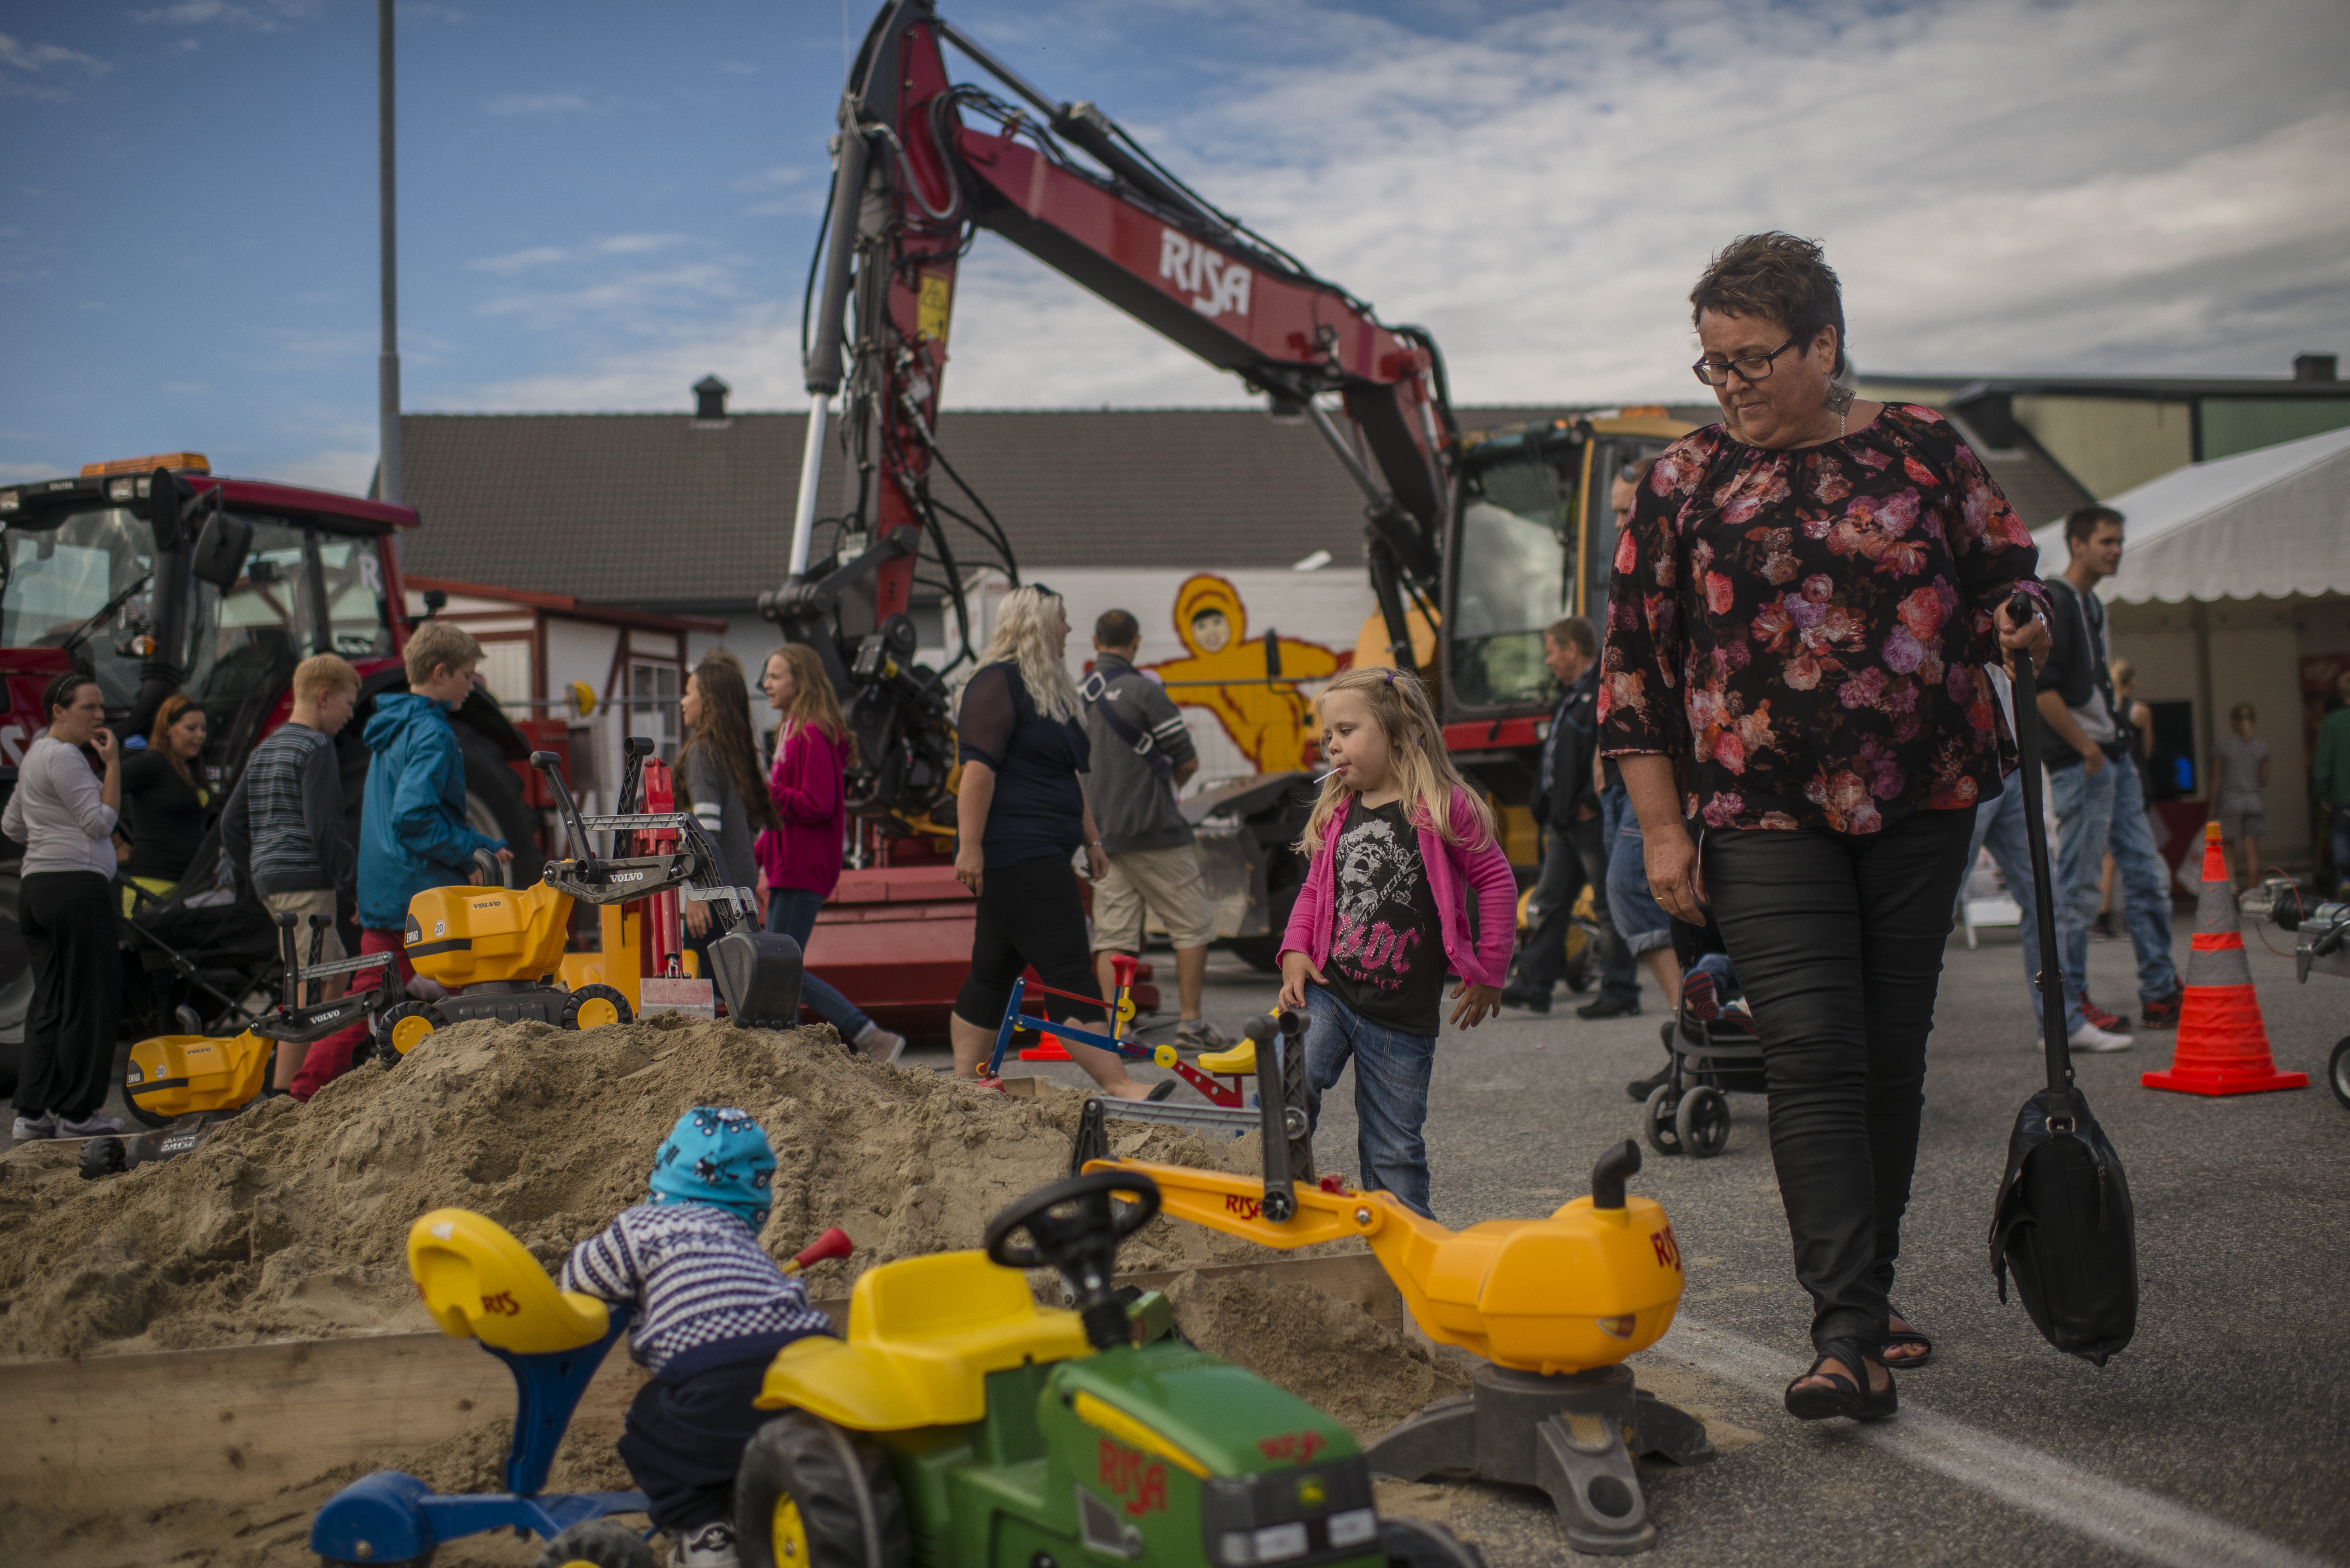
pixel 1390 674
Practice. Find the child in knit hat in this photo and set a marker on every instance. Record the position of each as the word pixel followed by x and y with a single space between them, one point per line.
pixel 711 1310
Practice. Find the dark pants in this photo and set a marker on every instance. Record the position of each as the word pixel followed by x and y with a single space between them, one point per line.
pixel 1838 939
pixel 68 918
pixel 1029 914
pixel 1573 857
pixel 684 1442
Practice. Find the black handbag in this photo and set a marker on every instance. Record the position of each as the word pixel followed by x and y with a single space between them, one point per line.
pixel 2062 1225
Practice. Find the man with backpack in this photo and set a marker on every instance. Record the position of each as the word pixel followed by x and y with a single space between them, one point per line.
pixel 1142 753
pixel 2099 801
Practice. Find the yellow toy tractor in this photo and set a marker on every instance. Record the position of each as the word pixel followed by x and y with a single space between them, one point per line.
pixel 500 950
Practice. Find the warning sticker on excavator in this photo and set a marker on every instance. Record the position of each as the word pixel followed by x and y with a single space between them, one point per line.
pixel 937 303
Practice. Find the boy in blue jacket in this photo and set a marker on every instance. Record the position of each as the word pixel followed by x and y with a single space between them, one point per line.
pixel 412 829
pixel 712 1309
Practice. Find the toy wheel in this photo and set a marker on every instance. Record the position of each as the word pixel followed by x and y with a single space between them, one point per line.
pixel 810 1495
pixel 2337 1072
pixel 594 1006
pixel 1163 1056
pixel 1657 1120
pixel 1415 1543
pixel 402 1029
pixel 597 1544
pixel 1702 1122
pixel 102 1156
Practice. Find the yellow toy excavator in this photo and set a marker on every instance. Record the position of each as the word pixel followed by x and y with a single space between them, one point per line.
pixel 500 950
pixel 1551 1307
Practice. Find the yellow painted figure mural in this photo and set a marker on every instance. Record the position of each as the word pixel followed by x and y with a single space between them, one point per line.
pixel 1270 722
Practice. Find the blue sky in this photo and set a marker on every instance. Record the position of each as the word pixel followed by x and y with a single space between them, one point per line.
pixel 601 202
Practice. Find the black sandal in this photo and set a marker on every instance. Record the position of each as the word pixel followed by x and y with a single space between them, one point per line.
pixel 1161 1089
pixel 1842 1397
pixel 1894 1337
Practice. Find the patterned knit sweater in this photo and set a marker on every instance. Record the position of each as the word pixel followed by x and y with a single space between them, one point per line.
pixel 706 1294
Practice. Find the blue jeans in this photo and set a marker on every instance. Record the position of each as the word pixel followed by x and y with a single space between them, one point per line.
pixel 1391 1074
pixel 1640 920
pixel 1999 824
pixel 792 912
pixel 2107 812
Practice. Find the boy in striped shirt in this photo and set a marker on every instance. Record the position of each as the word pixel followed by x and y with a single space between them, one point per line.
pixel 712 1308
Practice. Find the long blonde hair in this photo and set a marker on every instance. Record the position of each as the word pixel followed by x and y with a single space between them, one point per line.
pixel 1423 767
pixel 814 701
pixel 1025 624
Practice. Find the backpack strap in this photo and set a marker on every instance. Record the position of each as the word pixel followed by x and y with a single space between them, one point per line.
pixel 1098 695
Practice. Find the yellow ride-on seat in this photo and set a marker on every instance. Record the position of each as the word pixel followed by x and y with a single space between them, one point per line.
pixel 1239 1061
pixel 923 1334
pixel 479 1282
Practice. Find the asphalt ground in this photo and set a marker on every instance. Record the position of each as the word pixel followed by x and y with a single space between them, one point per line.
pixel 2222 1435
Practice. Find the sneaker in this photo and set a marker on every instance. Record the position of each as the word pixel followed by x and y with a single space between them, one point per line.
pixel 1198 1035
pixel 2162 1013
pixel 1533 999
pixel 2089 1037
pixel 1610 1007
pixel 2093 1015
pixel 885 1048
pixel 711 1546
pixel 91 1126
pixel 1641 1089
pixel 28 1128
pixel 1696 997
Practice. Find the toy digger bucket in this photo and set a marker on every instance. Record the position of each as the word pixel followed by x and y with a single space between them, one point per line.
pixel 758 977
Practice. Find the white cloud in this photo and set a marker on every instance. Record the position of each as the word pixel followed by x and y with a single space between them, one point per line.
pixel 534 103
pixel 266 17
pixel 2004 184
pixel 522 260
pixel 41 64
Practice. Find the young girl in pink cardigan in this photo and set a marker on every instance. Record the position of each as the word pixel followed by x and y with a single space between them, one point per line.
pixel 1400 844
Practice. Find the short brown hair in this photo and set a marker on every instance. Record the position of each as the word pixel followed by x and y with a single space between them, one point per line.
pixel 2083 520
pixel 438 645
pixel 1117 629
pixel 1575 629
pixel 1776 277
pixel 322 675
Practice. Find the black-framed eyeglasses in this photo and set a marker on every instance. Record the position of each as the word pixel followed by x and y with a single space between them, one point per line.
pixel 1750 366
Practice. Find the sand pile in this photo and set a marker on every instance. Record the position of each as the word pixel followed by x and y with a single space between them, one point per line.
pixel 291 1222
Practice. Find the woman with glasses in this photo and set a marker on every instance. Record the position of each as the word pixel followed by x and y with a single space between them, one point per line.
pixel 1807 598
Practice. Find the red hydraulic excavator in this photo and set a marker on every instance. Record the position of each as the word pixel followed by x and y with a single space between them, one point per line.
pixel 921 163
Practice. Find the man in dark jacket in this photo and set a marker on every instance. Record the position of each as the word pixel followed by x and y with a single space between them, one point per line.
pixel 1575 854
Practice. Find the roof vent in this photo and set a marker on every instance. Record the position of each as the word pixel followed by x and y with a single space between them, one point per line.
pixel 2313 367
pixel 710 399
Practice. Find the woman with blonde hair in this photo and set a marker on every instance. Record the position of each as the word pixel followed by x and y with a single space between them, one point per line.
pixel 800 852
pixel 1022 813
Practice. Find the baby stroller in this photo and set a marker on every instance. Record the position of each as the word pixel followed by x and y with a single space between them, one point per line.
pixel 1713 1052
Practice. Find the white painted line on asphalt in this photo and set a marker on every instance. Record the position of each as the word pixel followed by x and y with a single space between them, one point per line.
pixel 2125 1518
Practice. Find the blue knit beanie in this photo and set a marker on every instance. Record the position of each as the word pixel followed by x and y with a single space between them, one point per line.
pixel 716 1154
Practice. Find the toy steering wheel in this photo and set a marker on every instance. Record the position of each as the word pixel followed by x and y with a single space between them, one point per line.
pixel 1087 1221
pixel 1075 1226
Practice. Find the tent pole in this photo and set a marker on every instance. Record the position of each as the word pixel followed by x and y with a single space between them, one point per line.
pixel 2204 730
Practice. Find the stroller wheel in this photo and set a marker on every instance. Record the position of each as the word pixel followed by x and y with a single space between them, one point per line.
pixel 1703 1122
pixel 1657 1123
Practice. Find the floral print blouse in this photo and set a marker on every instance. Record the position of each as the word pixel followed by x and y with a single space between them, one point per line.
pixel 1808 631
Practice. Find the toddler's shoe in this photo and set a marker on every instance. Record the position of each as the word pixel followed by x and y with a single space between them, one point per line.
pixel 711 1546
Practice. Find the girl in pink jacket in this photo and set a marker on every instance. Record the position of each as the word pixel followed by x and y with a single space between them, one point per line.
pixel 1399 846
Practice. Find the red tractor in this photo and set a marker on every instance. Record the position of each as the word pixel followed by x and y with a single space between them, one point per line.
pixel 154 575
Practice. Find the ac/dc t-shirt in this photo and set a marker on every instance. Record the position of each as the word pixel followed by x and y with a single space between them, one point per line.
pixel 1386 950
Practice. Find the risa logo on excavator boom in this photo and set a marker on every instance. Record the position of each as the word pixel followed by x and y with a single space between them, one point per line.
pixel 1214 283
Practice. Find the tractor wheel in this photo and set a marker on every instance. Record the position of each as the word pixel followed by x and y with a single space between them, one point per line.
pixel 402 1029
pixel 1416 1543
pixel 594 1006
pixel 597 1544
pixel 810 1495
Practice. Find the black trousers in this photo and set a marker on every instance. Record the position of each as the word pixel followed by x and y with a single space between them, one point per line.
pixel 1837 939
pixel 1030 913
pixel 1573 857
pixel 68 918
pixel 684 1441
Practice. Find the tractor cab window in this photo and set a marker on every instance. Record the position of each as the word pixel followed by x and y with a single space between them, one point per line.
pixel 243 644
pixel 86 584
pixel 358 615
pixel 1510 580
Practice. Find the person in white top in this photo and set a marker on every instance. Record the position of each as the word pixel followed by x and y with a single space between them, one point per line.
pixel 2240 766
pixel 65 814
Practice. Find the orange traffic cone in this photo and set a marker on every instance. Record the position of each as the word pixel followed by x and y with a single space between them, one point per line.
pixel 1049 1049
pixel 2223 1046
